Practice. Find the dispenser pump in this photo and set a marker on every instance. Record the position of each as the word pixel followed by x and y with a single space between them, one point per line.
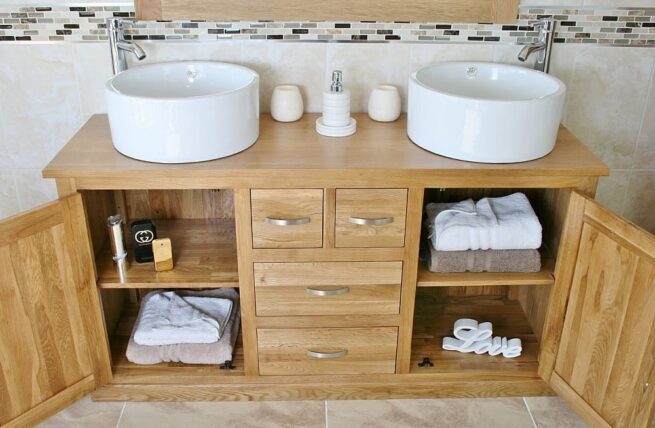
pixel 336 120
pixel 337 81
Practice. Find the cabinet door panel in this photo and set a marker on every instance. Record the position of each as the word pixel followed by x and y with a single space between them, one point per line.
pixel 604 363
pixel 52 346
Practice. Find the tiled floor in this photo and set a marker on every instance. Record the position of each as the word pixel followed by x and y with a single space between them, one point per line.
pixel 541 412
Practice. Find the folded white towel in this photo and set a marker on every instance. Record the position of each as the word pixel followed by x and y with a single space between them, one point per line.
pixel 191 353
pixel 507 223
pixel 169 319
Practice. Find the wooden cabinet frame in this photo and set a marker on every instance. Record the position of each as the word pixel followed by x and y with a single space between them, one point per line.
pixel 585 234
pixel 495 11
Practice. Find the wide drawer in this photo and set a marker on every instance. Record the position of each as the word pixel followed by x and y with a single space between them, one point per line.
pixel 327 350
pixel 328 300
pixel 370 218
pixel 287 218
pixel 327 288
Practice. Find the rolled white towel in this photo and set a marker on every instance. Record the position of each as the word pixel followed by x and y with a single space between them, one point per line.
pixel 507 223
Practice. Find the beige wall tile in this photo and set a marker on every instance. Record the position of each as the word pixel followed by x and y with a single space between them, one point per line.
pixel 367 65
pixel 645 152
pixel 86 414
pixel 8 196
pixel 301 64
pixel 228 51
pixel 310 414
pixel 460 413
pixel 606 100
pixel 640 203
pixel 32 189
pixel 5 162
pixel 553 412
pixel 40 101
pixel 93 69
pixel 613 190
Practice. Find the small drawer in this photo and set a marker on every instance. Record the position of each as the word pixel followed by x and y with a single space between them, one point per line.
pixel 370 217
pixel 327 288
pixel 327 350
pixel 287 218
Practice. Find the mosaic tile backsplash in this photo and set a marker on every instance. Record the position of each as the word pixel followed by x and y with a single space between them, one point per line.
pixel 615 27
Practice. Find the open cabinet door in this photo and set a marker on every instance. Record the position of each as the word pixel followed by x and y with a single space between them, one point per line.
pixel 598 347
pixel 53 348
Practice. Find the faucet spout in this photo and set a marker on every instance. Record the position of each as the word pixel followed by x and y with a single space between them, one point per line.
pixel 132 48
pixel 530 49
pixel 542 46
pixel 118 46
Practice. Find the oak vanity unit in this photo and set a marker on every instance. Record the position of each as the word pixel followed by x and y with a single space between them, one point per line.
pixel 322 238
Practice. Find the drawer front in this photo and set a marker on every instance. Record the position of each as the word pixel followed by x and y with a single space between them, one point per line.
pixel 327 288
pixel 370 218
pixel 328 300
pixel 328 273
pixel 287 218
pixel 327 351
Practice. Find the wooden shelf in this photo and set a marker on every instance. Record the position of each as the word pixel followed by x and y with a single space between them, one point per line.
pixel 204 252
pixel 127 372
pixel 435 316
pixel 480 279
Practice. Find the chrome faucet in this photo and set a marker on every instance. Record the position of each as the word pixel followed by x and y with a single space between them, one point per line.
pixel 542 47
pixel 118 46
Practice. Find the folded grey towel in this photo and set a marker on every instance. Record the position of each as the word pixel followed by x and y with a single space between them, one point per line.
pixel 484 261
pixel 191 353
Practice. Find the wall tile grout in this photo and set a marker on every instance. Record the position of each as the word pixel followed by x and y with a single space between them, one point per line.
pixel 642 122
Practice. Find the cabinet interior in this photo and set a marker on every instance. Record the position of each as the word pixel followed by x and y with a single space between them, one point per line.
pixel 516 303
pixel 201 226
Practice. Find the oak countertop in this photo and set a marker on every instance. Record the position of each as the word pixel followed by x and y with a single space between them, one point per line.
pixel 293 154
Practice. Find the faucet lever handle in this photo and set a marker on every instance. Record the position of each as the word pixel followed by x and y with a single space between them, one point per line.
pixel 542 24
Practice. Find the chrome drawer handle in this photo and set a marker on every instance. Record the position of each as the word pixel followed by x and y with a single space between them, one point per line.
pixel 371 221
pixel 286 222
pixel 324 355
pixel 337 292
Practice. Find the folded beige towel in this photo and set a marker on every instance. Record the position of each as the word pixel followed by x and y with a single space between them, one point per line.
pixel 484 261
pixel 191 353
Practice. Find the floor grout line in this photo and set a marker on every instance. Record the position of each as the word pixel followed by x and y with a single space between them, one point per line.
pixel 326 415
pixel 525 402
pixel 120 417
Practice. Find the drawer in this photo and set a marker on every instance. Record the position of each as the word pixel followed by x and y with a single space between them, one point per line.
pixel 370 218
pixel 287 218
pixel 327 350
pixel 338 288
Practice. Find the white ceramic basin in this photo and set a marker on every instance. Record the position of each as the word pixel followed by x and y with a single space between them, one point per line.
pixel 180 112
pixel 484 112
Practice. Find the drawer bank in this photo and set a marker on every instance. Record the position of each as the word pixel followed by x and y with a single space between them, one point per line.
pixel 322 238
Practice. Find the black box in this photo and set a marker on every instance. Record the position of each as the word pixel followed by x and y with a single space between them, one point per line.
pixel 143 233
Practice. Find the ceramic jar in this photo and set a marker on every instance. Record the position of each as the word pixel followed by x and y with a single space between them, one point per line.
pixel 286 103
pixel 384 104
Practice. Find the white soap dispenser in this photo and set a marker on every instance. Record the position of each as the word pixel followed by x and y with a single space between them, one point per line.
pixel 336 120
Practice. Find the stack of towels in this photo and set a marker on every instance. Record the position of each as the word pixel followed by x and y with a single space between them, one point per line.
pixel 192 327
pixel 492 235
